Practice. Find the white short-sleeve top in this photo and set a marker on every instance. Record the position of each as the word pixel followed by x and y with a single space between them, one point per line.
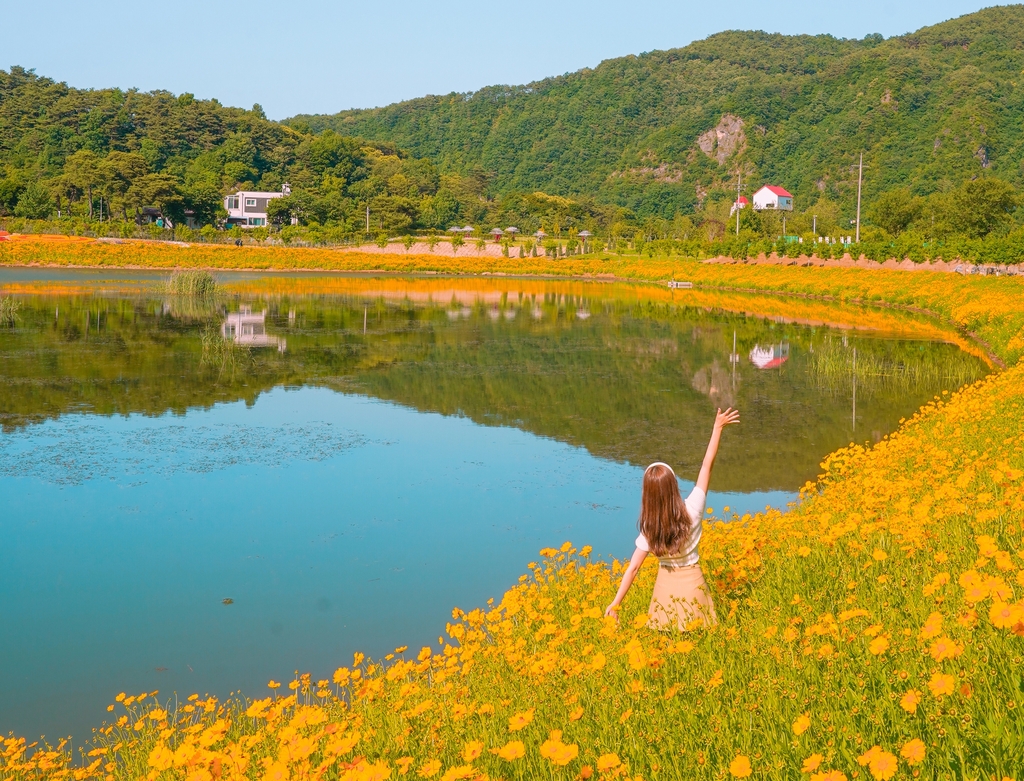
pixel 690 555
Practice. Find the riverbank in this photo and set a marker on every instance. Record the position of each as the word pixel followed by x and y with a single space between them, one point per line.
pixel 876 629
pixel 986 307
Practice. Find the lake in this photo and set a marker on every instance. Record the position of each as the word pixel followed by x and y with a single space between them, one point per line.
pixel 199 497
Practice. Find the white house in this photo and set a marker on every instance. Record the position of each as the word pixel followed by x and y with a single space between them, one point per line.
pixel 773 197
pixel 248 208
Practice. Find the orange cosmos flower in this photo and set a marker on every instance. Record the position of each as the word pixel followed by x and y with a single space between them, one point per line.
pixel 511 751
pixel 1004 616
pixel 941 684
pixel 943 649
pixel 740 766
pixel 913 752
pixel 520 720
pixel 812 763
pixel 803 721
pixel 472 750
pixel 879 645
pixel 429 769
pixel 608 762
pixel 910 701
pixel 554 750
pixel 831 775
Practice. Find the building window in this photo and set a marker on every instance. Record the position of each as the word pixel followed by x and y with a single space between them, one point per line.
pixel 232 202
pixel 250 201
pixel 257 222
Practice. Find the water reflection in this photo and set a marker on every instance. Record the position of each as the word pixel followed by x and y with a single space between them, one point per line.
pixel 249 330
pixel 770 357
pixel 192 512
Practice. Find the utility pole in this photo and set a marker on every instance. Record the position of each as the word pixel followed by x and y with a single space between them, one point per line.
pixel 738 179
pixel 860 180
pixel 367 219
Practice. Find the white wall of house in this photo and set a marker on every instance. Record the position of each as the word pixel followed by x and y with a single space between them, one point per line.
pixel 768 197
pixel 248 208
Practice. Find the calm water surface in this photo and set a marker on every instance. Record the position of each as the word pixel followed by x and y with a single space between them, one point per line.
pixel 345 467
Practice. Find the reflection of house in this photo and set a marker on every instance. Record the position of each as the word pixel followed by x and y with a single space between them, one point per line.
pixel 245 328
pixel 769 357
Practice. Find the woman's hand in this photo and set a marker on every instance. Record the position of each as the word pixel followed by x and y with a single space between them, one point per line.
pixel 613 611
pixel 728 418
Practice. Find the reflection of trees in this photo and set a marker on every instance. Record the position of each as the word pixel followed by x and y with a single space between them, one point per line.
pixel 631 382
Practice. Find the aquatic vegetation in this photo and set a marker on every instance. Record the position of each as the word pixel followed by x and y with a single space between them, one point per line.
pixel 874 630
pixel 193 283
pixel 9 310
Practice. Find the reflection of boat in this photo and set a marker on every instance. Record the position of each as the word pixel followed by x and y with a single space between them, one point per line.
pixel 769 357
pixel 243 327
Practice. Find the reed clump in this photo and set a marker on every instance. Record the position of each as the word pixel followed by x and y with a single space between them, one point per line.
pixel 9 307
pixel 222 353
pixel 194 283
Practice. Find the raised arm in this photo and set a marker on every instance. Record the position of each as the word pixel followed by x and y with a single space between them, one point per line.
pixel 627 580
pixel 722 419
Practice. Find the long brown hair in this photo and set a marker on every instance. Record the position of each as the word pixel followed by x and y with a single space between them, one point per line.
pixel 664 520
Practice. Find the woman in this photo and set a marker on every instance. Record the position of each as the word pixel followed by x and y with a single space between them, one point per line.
pixel 670 529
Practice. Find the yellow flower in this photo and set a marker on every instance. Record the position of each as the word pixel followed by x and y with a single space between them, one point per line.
pixel 812 763
pixel 803 721
pixel 472 750
pixel 941 684
pixel 910 701
pixel 520 720
pixel 883 766
pixel 403 764
pixel 740 766
pixel 879 645
pixel 559 753
pixel 1004 616
pixel 803 551
pixel 943 649
pixel 459 773
pixel 879 555
pixel 274 685
pixel 913 752
pixel 831 775
pixel 511 751
pixel 608 762
pixel 429 769
pixel 576 714
pixel 716 679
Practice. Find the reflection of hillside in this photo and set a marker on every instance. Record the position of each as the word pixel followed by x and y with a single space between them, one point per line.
pixel 630 381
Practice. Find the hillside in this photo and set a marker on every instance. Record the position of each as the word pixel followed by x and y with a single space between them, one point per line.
pixel 669 130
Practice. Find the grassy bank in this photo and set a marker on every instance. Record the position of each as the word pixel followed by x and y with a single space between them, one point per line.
pixel 874 631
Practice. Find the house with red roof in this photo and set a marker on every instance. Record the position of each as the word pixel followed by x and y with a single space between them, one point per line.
pixel 773 197
pixel 739 203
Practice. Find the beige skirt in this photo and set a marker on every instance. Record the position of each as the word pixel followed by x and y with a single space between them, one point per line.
pixel 681 599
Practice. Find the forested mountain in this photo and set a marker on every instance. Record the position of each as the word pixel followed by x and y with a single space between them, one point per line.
pixel 668 131
pixel 637 149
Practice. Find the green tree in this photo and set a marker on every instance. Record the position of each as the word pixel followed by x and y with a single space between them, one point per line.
pixel 894 210
pixel 980 206
pixel 34 202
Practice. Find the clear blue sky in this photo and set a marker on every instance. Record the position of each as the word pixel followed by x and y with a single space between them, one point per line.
pixel 316 56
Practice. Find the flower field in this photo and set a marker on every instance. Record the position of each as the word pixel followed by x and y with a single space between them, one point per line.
pixel 873 631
